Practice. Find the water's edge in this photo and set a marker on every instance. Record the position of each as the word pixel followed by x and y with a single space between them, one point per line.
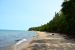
pixel 20 43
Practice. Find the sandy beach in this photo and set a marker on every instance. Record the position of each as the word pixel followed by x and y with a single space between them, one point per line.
pixel 45 41
pixel 50 41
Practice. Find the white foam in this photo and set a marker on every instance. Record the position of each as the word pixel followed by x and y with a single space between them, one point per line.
pixel 19 42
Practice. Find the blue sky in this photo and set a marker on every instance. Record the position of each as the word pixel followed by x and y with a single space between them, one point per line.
pixel 23 14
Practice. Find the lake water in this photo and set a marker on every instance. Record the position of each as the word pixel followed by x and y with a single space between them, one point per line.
pixel 8 37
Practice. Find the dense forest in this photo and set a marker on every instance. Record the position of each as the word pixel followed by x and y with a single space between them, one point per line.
pixel 63 22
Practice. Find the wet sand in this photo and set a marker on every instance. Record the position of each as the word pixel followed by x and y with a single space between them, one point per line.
pixel 20 45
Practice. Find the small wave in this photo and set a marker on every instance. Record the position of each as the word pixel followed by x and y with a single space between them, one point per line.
pixel 20 41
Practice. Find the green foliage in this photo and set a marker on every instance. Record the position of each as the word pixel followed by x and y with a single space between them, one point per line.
pixel 69 12
pixel 63 22
pixel 54 25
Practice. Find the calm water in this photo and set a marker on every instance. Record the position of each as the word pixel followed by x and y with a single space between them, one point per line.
pixel 8 37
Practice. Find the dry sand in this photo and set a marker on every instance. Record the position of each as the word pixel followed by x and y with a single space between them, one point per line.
pixel 50 41
pixel 45 41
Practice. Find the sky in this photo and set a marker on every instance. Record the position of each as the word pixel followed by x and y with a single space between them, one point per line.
pixel 23 14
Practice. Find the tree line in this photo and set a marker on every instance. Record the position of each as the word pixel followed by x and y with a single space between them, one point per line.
pixel 63 22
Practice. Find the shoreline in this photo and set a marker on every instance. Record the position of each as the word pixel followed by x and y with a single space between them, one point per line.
pixel 49 41
pixel 19 45
pixel 44 40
